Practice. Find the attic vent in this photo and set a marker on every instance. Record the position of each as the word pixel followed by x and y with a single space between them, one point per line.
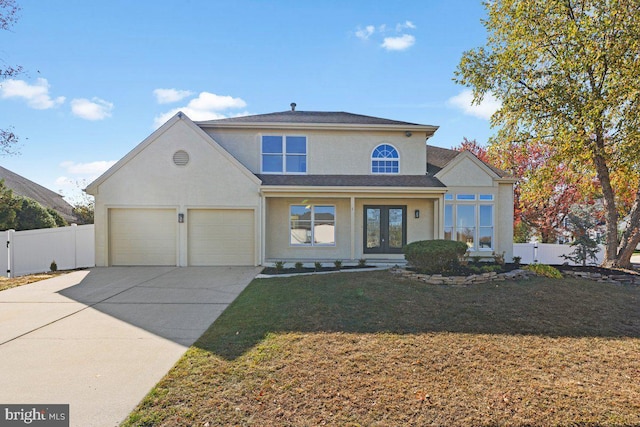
pixel 181 158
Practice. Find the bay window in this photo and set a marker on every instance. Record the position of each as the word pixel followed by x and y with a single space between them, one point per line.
pixel 469 218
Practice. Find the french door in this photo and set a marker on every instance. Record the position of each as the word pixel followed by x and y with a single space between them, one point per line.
pixel 385 229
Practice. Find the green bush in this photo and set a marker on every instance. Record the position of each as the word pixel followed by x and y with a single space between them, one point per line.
pixel 338 264
pixel 317 265
pixel 362 262
pixel 435 256
pixel 544 270
pixel 298 265
pixel 491 268
pixel 279 266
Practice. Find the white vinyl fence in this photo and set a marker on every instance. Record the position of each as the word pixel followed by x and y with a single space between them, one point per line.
pixel 547 253
pixel 32 251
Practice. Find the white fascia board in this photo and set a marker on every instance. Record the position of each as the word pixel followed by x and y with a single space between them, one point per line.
pixel 429 130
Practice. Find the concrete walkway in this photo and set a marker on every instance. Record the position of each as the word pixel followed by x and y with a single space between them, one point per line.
pixel 99 340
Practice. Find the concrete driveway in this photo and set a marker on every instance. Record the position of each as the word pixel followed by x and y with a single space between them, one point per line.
pixel 99 340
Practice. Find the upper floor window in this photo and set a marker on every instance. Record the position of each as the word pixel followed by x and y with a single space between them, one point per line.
pixel 385 159
pixel 284 154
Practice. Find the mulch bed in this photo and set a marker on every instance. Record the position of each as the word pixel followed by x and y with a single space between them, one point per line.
pixel 275 271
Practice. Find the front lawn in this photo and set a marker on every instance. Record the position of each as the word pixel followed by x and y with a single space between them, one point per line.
pixel 371 349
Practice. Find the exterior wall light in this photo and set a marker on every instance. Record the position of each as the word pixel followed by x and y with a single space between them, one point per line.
pixel 417 213
pixel 180 218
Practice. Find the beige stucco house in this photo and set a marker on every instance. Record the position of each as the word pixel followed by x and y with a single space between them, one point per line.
pixel 294 186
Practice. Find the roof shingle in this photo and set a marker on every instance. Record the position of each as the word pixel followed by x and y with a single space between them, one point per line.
pixel 21 186
pixel 317 117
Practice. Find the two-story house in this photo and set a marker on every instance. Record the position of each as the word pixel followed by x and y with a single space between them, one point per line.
pixel 294 186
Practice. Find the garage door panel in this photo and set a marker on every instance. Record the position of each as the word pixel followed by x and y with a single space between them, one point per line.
pixel 221 237
pixel 142 236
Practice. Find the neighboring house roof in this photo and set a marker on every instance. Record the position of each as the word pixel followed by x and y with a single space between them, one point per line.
pixel 438 158
pixel 352 180
pixel 324 119
pixel 21 186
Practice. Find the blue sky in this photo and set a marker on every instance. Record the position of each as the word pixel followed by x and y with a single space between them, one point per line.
pixel 100 76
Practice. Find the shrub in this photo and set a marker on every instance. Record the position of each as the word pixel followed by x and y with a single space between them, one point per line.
pixel 279 266
pixel 317 265
pixel 53 267
pixel 516 260
pixel 491 268
pixel 499 258
pixel 435 256
pixel 338 264
pixel 362 262
pixel 298 265
pixel 544 270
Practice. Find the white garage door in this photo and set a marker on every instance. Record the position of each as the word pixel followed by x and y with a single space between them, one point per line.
pixel 142 236
pixel 221 237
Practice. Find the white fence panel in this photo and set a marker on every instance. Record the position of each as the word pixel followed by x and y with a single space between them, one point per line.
pixel 546 253
pixel 32 251
pixel 4 252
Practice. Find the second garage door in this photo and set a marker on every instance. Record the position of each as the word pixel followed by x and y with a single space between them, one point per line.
pixel 221 237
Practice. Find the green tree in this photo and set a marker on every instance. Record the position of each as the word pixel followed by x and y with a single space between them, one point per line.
pixel 8 208
pixel 582 221
pixel 59 220
pixel 83 212
pixel 568 72
pixel 32 215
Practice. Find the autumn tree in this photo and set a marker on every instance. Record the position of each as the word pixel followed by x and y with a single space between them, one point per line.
pixel 8 16
pixel 545 190
pixel 567 73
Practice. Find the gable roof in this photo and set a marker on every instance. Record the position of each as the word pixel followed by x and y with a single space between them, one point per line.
pixel 438 158
pixel 22 186
pixel 317 119
pixel 178 117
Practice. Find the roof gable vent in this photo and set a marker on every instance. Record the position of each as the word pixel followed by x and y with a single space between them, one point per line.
pixel 180 158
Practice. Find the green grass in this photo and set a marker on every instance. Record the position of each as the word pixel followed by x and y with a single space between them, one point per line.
pixel 375 349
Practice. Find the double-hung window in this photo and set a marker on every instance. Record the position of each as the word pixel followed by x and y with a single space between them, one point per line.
pixel 469 218
pixel 284 154
pixel 312 225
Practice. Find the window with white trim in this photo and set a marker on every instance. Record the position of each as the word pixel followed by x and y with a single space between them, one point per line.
pixel 385 160
pixel 312 225
pixel 470 219
pixel 284 154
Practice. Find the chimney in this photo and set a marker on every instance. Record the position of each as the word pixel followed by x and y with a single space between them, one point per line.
pixel 293 106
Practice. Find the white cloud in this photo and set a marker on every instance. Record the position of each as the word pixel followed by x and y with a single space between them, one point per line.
pixel 167 96
pixel 408 25
pixel 90 169
pixel 402 42
pixel 388 38
pixel 94 109
pixel 366 32
pixel 36 95
pixel 207 106
pixel 484 110
pixel 77 176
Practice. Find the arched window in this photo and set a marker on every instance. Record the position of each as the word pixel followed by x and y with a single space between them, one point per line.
pixel 385 159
